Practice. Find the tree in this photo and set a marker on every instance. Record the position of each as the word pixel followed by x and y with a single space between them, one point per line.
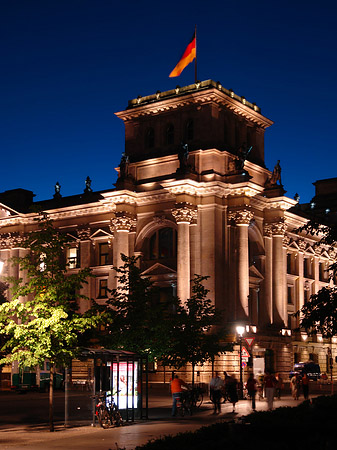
pixel 135 318
pixel 319 314
pixel 169 332
pixel 47 324
pixel 198 336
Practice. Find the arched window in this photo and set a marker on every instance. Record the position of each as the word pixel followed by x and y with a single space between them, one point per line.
pixel 169 134
pixel 189 130
pixel 149 138
pixel 163 244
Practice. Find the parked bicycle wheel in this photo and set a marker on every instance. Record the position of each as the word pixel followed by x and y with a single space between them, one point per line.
pixel 104 418
pixel 197 398
pixel 117 418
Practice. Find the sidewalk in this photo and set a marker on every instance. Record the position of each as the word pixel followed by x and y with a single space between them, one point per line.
pixel 160 423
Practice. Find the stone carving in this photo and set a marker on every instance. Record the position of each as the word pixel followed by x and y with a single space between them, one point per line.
pixel 268 230
pixel 241 217
pixel 123 221
pixel 11 240
pixel 184 212
pixel 275 176
pixel 124 167
pixel 183 156
pixel 87 185
pixel 236 164
pixel 84 233
pixel 57 190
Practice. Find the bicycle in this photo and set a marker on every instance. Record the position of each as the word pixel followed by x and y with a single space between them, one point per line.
pixel 107 411
pixel 184 404
pixel 197 397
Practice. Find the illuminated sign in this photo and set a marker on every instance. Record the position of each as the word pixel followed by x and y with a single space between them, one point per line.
pixel 125 380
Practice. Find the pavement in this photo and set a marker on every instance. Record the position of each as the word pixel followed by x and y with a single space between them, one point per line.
pixel 159 424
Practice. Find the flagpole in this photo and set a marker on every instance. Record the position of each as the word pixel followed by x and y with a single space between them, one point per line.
pixel 195 62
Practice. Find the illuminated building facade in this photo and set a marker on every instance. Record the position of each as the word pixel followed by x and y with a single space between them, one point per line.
pixel 193 196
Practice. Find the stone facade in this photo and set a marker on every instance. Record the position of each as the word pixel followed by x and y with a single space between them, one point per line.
pixel 193 195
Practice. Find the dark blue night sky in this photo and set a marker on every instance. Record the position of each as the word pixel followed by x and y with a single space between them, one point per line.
pixel 68 65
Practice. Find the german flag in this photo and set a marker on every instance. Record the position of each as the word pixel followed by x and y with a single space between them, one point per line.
pixel 188 56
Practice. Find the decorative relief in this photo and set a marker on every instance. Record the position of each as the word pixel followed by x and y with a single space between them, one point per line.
pixel 275 229
pixel 268 230
pixel 185 212
pixel 123 221
pixel 286 240
pixel 302 245
pixel 11 240
pixel 241 217
pixel 84 233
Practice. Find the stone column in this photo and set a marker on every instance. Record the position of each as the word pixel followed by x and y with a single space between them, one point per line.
pixel 88 289
pixel 301 245
pixel 122 224
pixel 184 214
pixel 267 307
pixel 242 220
pixel 279 284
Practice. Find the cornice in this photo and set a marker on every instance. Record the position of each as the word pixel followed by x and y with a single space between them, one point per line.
pixel 210 92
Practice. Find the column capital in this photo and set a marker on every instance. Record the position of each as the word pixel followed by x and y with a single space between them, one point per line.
pixel 123 221
pixel 275 229
pixel 241 216
pixel 184 212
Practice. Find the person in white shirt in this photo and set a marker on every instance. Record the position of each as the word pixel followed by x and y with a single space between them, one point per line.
pixel 216 386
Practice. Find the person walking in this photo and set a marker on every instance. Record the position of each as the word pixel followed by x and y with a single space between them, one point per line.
pixel 295 385
pixel 305 386
pixel 177 387
pixel 252 388
pixel 232 389
pixel 279 385
pixel 216 386
pixel 269 385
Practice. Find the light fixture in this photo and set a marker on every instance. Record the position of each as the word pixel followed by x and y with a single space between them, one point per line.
pixel 240 330
pixel 2 263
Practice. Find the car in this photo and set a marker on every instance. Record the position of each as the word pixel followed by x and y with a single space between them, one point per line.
pixel 310 368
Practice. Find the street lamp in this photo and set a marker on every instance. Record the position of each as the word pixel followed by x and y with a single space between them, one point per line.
pixel 240 330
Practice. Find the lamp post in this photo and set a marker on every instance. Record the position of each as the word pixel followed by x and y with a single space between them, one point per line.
pixel 240 330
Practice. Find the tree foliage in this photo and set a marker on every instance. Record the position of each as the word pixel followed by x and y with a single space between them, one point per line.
pixel 319 314
pixel 168 331
pixel 198 336
pixel 42 320
pixel 135 319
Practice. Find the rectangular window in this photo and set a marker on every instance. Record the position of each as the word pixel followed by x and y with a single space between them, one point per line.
pixel 290 295
pixel 289 263
pixel 104 254
pixel 305 268
pixel 323 272
pixel 103 288
pixel 72 258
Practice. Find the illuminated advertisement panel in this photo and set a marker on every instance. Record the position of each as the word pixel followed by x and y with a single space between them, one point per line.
pixel 126 383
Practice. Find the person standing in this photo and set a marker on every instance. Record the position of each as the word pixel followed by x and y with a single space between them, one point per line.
pixel 177 387
pixel 279 385
pixel 269 385
pixel 232 389
pixel 252 388
pixel 295 385
pixel 305 386
pixel 216 386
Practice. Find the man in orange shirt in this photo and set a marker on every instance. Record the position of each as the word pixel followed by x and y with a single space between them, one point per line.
pixel 176 389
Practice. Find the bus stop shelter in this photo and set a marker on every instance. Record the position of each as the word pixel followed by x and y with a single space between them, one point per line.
pixel 124 374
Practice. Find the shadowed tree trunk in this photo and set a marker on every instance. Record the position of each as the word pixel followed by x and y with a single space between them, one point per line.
pixel 51 398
